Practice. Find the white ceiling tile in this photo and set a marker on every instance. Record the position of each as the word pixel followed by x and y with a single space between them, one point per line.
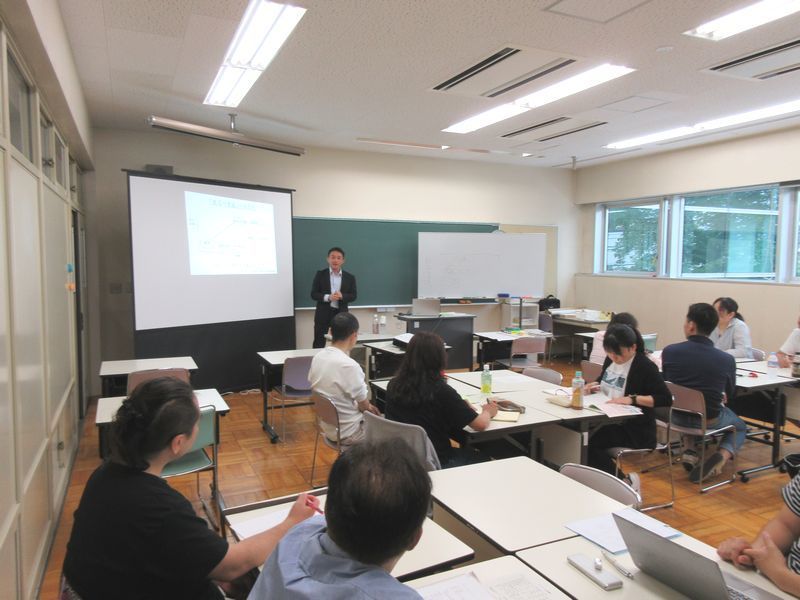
pixel 600 11
pixel 148 53
pixel 160 17
pixel 201 55
pixel 231 10
pixel 634 104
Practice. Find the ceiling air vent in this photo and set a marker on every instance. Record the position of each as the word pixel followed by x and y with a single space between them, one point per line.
pixel 508 69
pixel 530 128
pixel 764 64
pixel 571 131
pixel 470 72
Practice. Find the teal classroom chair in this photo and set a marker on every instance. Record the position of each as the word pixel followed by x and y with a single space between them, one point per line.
pixel 197 460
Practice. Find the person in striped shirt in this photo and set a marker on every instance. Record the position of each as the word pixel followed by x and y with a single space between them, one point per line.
pixel 776 550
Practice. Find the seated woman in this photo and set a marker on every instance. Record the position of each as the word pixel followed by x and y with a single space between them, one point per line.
pixel 776 550
pixel 732 334
pixel 628 377
pixel 136 537
pixel 419 394
pixel 790 347
pixel 598 352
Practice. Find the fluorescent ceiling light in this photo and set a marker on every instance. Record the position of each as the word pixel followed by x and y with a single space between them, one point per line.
pixel 746 18
pixel 712 125
pixel 562 89
pixel 573 85
pixel 262 31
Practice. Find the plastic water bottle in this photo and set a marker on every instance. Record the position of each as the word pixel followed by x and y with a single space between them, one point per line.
pixel 772 364
pixel 577 391
pixel 486 381
pixel 376 324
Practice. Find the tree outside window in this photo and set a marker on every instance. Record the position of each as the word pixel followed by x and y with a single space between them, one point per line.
pixel 632 238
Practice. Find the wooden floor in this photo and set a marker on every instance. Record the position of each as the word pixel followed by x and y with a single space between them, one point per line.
pixel 252 469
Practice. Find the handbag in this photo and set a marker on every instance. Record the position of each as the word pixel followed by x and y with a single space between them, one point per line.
pixel 549 302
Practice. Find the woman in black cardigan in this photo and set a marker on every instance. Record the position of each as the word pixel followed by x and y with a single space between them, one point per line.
pixel 628 377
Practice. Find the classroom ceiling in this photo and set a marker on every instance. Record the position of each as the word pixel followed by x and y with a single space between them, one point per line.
pixel 358 70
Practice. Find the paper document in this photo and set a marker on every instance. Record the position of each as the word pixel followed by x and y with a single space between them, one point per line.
pixel 502 415
pixel 601 402
pixel 603 531
pixel 251 527
pixel 468 587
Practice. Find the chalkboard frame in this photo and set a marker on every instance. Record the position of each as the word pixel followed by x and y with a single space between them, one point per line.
pixel 382 254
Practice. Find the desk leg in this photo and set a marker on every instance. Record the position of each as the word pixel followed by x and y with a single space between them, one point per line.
pixel 265 425
pixel 102 438
pixel 777 402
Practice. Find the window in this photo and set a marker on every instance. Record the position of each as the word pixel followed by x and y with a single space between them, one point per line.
pixel 730 234
pixel 61 162
pixel 631 238
pixel 721 234
pixel 19 108
pixel 46 135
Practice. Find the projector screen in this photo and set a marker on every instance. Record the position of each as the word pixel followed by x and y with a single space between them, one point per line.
pixel 207 252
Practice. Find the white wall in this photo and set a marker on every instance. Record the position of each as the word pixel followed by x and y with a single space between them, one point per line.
pixel 329 183
pixel 767 158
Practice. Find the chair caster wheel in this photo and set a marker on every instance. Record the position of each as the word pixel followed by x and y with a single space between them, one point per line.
pixel 782 468
pixel 745 478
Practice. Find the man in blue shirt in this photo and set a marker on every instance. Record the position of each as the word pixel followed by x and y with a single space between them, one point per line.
pixel 378 497
pixel 697 364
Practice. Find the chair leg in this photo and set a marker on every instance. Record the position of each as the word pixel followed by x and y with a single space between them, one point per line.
pixel 283 418
pixel 314 460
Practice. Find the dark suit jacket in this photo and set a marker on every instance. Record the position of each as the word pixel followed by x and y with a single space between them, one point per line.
pixel 322 286
pixel 643 380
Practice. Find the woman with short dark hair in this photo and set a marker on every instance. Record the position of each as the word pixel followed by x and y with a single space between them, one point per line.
pixel 136 537
pixel 731 334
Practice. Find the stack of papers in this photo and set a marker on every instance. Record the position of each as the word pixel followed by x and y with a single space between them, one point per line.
pixel 601 402
pixel 603 530
pixel 468 587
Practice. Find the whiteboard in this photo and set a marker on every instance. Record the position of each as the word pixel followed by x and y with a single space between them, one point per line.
pixel 477 265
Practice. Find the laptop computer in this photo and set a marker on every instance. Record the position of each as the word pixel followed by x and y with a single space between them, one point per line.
pixel 426 307
pixel 683 569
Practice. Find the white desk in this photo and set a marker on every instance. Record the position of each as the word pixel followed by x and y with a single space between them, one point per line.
pixel 516 503
pixel 753 377
pixel 495 345
pixel 437 549
pixel 491 571
pixel 273 361
pixel 551 562
pixel 760 366
pixel 108 407
pixel 502 381
pixel 110 369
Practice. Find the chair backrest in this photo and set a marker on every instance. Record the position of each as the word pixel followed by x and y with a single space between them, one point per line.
pixel 650 340
pixel 295 373
pixel 377 428
pixel 138 377
pixel 546 322
pixel 591 371
pixel 207 434
pixel 759 354
pixel 602 482
pixel 687 399
pixel 326 411
pixel 528 345
pixel 548 375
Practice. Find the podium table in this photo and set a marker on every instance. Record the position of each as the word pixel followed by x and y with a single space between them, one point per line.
pixel 454 328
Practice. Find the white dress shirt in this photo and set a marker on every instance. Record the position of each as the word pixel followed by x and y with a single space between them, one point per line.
pixel 338 377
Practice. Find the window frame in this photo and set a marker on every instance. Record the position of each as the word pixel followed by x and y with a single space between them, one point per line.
pixel 672 210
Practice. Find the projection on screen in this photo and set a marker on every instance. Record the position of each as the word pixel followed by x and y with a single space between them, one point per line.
pixel 229 236
pixel 207 252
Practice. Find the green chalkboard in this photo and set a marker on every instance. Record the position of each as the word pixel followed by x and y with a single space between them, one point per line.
pixel 381 254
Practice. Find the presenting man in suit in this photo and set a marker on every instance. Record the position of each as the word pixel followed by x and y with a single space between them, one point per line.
pixel 333 289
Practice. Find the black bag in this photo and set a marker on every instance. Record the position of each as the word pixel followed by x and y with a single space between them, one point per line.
pixel 549 302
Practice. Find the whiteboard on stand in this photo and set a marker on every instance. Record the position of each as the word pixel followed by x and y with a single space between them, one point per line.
pixel 478 265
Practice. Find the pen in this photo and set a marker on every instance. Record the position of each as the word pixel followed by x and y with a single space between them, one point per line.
pixel 616 565
pixel 309 504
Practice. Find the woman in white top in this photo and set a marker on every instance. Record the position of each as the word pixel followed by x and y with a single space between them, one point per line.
pixel 790 347
pixel 598 355
pixel 732 334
